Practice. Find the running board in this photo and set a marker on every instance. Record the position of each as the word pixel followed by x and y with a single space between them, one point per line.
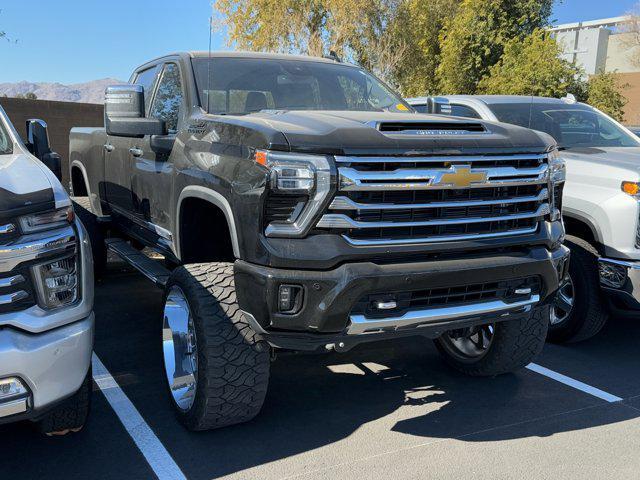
pixel 150 268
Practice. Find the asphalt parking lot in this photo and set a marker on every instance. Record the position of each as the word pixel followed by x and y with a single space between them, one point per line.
pixel 387 410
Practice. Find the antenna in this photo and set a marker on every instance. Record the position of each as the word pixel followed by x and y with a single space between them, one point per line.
pixel 209 65
pixel 333 56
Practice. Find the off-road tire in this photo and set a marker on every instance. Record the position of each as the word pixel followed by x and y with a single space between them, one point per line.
pixel 71 415
pixel 589 314
pixel 515 344
pixel 233 360
pixel 82 209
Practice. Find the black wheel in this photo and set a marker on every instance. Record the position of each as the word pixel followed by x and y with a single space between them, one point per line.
pixel 71 415
pixel 498 348
pixel 579 311
pixel 82 209
pixel 217 367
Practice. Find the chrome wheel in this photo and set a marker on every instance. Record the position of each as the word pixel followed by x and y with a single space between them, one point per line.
pixel 179 345
pixel 469 344
pixel 563 304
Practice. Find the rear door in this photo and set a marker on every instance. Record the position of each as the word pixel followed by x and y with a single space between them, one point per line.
pixel 152 174
pixel 118 185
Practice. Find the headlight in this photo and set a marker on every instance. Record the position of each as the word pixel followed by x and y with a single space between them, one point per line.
pixel 631 188
pixel 57 282
pixel 557 167
pixel 305 179
pixel 557 176
pixel 39 222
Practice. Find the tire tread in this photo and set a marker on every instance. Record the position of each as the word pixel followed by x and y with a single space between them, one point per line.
pixel 233 360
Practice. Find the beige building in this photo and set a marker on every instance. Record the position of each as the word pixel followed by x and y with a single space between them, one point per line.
pixel 608 45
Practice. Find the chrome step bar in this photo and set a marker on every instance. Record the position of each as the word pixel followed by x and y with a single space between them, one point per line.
pixel 150 268
pixel 360 324
pixel 341 221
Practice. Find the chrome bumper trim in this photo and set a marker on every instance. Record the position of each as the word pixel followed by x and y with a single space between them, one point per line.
pixel 362 325
pixel 13 407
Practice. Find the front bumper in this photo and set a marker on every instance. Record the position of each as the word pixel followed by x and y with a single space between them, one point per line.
pixel 620 279
pixel 52 365
pixel 329 297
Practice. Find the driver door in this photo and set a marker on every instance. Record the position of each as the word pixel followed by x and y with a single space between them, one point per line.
pixel 151 172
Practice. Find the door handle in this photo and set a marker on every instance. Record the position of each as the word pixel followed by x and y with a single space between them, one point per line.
pixel 136 152
pixel 108 147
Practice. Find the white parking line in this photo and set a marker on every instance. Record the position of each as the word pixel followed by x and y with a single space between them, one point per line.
pixel 596 392
pixel 157 456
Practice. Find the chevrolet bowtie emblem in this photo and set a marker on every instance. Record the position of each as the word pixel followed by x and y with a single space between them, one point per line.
pixel 461 177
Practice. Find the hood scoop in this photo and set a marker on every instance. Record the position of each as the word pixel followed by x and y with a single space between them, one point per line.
pixel 430 128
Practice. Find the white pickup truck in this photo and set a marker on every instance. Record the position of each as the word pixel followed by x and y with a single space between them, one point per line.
pixel 46 289
pixel 601 206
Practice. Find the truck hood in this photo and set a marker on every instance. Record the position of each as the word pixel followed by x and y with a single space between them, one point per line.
pixel 25 185
pixel 359 133
pixel 619 157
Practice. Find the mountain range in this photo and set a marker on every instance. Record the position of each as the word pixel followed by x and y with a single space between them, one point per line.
pixel 88 92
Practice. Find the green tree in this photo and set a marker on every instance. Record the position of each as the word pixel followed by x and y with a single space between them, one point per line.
pixel 30 96
pixel 532 66
pixel 605 94
pixel 473 40
pixel 359 30
pixel 418 24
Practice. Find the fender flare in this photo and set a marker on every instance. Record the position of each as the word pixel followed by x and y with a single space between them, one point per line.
pixel 215 198
pixel 94 201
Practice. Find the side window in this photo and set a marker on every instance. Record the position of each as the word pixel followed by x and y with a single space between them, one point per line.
pixel 5 141
pixel 147 78
pixel 463 111
pixel 420 108
pixel 168 100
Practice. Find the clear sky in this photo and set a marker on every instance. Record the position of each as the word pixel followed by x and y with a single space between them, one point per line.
pixel 72 41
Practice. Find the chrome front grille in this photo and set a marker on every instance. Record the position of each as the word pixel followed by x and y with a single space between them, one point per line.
pixel 396 200
pixel 16 292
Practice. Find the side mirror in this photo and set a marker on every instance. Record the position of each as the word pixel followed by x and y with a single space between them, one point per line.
pixel 38 145
pixel 439 105
pixel 124 113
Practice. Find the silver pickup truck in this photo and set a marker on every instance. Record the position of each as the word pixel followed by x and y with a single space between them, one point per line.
pixel 46 289
pixel 601 201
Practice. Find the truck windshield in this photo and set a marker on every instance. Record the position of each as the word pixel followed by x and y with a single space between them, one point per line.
pixel 571 125
pixel 5 140
pixel 246 85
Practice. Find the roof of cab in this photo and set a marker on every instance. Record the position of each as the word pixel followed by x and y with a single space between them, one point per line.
pixel 233 54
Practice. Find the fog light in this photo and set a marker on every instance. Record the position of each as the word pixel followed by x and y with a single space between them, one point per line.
pixel 11 388
pixel 289 299
pixel 57 282
pixel 612 275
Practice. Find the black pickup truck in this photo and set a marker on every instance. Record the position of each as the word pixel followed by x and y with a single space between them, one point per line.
pixel 300 204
